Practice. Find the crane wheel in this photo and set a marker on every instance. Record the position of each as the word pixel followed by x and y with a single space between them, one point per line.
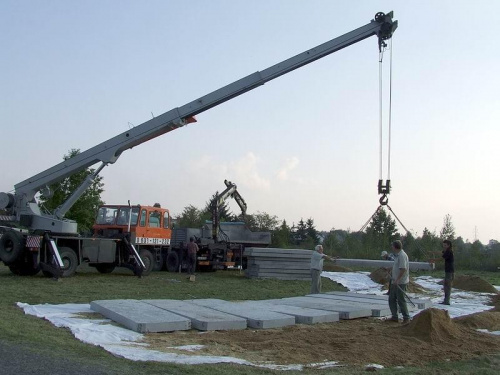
pixel 70 261
pixel 172 262
pixel 11 247
pixel 148 260
pixel 105 267
pixel 24 267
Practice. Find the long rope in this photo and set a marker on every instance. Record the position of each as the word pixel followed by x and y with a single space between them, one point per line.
pixel 390 118
pixel 381 57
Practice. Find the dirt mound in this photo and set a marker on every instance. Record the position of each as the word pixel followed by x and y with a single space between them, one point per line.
pixel 433 325
pixel 473 283
pixel 335 268
pixel 355 342
pixel 380 276
pixel 489 320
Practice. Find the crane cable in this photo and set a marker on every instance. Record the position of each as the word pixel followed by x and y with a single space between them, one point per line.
pixel 384 189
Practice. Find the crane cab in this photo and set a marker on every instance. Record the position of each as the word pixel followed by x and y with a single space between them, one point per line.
pixel 149 225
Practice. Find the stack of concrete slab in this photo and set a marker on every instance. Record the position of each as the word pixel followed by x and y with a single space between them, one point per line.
pixel 283 264
pixel 371 263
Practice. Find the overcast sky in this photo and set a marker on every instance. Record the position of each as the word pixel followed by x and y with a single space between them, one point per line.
pixel 306 145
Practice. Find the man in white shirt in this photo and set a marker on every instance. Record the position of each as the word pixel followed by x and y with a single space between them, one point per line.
pixel 317 267
pixel 400 278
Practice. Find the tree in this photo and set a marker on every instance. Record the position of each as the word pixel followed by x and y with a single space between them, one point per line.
pixel 223 209
pixel 311 232
pixel 448 230
pixel 300 232
pixel 380 233
pixel 282 236
pixel 191 217
pixel 85 208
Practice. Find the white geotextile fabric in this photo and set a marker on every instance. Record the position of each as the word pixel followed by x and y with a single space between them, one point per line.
pixel 126 343
pixel 462 302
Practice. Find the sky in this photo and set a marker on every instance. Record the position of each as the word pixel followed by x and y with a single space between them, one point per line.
pixel 306 145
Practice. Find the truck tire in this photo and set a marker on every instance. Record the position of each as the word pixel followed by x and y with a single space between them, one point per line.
pixel 172 262
pixel 24 267
pixel 105 267
pixel 70 261
pixel 11 247
pixel 148 260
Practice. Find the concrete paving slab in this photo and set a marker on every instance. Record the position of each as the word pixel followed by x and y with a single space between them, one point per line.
pixel 421 303
pixel 345 311
pixel 202 318
pixel 256 318
pixel 302 315
pixel 379 308
pixel 140 317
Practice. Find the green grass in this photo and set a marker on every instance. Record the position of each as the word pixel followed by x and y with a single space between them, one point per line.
pixel 39 336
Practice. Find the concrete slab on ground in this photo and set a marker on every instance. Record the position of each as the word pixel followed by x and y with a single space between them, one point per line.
pixel 371 263
pixel 302 315
pixel 140 317
pixel 256 318
pixel 421 303
pixel 345 311
pixel 202 318
pixel 379 308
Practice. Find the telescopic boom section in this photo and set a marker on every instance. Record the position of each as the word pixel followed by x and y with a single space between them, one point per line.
pixel 108 152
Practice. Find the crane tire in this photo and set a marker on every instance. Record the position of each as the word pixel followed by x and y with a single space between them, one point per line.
pixel 105 267
pixel 172 262
pixel 70 261
pixel 11 247
pixel 148 260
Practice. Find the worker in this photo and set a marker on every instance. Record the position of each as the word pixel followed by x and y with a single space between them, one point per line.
pixel 449 270
pixel 387 256
pixel 192 250
pixel 400 278
pixel 317 258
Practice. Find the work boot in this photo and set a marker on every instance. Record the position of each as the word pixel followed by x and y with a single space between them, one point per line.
pixel 406 320
pixel 393 320
pixel 444 303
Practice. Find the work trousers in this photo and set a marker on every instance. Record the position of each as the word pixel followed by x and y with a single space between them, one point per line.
pixel 448 283
pixel 316 281
pixel 191 258
pixel 397 298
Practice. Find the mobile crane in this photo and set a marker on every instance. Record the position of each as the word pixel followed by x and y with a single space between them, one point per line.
pixel 31 239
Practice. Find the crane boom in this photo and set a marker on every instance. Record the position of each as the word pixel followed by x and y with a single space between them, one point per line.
pixel 22 204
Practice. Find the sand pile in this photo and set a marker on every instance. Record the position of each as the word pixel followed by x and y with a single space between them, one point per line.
pixel 380 276
pixel 433 325
pixel 473 283
pixel 489 320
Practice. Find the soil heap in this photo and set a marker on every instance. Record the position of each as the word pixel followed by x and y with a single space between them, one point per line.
pixel 489 320
pixel 380 276
pixel 434 326
pixel 473 283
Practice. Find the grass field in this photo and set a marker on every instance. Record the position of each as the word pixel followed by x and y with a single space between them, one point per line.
pixel 38 336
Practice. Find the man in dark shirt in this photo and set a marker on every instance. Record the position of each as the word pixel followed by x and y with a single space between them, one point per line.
pixel 192 249
pixel 449 270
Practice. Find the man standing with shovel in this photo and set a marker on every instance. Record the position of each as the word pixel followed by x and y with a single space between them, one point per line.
pixel 400 278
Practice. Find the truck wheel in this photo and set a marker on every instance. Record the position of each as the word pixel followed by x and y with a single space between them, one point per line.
pixel 70 261
pixel 11 247
pixel 24 268
pixel 148 260
pixel 172 262
pixel 105 267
